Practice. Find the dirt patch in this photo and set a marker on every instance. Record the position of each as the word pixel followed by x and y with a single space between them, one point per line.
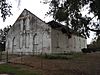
pixel 87 64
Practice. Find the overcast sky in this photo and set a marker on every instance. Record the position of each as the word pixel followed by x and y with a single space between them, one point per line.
pixel 37 8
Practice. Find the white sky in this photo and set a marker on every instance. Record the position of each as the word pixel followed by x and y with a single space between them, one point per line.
pixel 37 8
pixel 34 6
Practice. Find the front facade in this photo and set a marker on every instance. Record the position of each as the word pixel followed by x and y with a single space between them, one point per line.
pixel 31 35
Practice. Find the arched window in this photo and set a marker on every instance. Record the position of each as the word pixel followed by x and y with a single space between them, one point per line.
pixel 35 42
pixel 21 41
pixel 24 24
pixel 27 24
pixel 57 40
pixel 8 44
pixel 27 39
pixel 21 25
pixel 13 44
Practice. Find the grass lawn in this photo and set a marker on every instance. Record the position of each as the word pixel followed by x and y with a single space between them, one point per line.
pixel 15 70
pixel 71 55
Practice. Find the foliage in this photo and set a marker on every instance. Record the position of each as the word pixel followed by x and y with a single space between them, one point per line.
pixel 95 7
pixel 88 50
pixel 69 11
pixel 3 34
pixel 5 9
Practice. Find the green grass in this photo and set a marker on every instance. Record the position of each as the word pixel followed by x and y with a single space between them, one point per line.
pixel 8 68
pixel 70 55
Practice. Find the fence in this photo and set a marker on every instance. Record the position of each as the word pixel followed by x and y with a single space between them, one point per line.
pixel 54 67
pixel 3 56
pixel 27 58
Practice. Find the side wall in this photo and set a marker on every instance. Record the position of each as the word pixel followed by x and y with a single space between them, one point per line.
pixel 62 44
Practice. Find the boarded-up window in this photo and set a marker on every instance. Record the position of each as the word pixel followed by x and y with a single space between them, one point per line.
pixel 21 24
pixel 27 24
pixel 35 37
pixel 57 40
pixel 8 44
pixel 14 43
pixel 24 24
pixel 17 42
pixel 21 41
pixel 27 39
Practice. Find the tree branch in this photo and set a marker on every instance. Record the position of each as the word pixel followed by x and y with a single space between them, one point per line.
pixel 93 30
pixel 90 28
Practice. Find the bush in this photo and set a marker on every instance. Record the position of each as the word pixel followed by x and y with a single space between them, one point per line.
pixel 85 50
pixel 61 55
pixel 53 56
pixel 89 50
pixel 2 47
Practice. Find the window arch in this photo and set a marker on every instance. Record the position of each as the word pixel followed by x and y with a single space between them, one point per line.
pixel 27 39
pixel 34 42
pixel 13 44
pixel 24 24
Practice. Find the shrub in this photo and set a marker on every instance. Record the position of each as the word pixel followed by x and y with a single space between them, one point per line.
pixel 61 55
pixel 85 50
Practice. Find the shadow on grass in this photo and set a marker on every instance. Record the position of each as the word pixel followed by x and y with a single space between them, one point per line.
pixel 12 70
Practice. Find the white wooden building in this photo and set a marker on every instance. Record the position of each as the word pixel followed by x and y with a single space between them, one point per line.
pixel 29 34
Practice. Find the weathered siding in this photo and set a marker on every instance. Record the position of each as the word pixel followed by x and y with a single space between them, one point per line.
pixel 62 44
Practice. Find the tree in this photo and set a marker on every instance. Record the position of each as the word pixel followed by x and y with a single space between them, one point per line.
pixel 3 34
pixel 69 11
pixel 5 9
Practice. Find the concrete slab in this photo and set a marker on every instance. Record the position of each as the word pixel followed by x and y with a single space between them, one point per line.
pixel 2 62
